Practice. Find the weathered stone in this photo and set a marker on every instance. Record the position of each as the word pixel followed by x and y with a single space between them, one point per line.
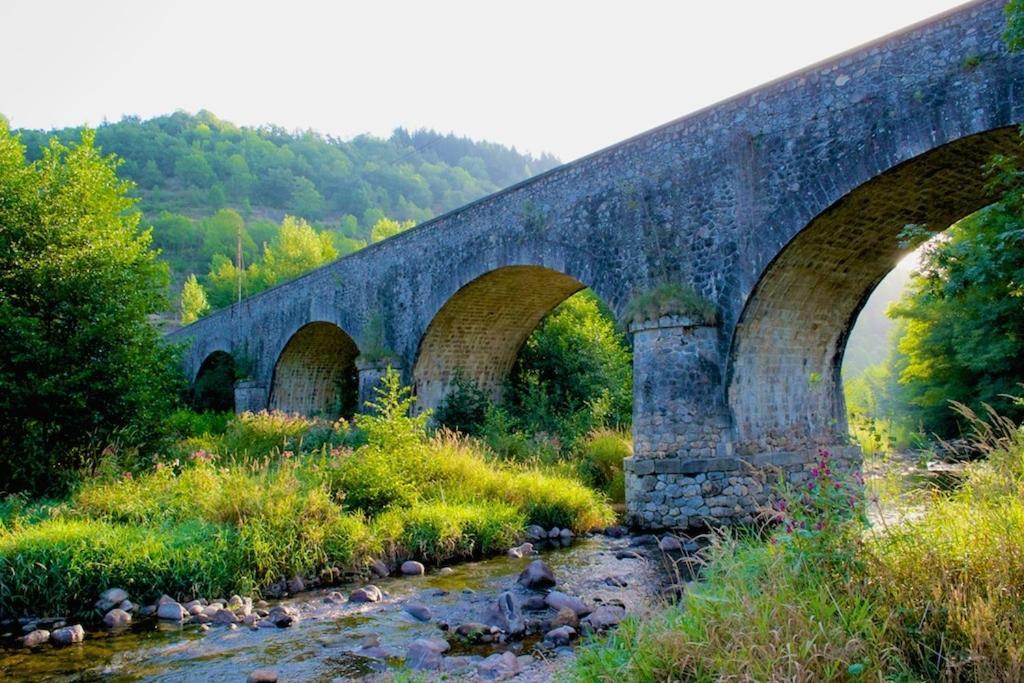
pixel 366 594
pixel 537 576
pixel 417 610
pixel 413 568
pixel 566 617
pixel 262 676
pixel 283 616
pixel 171 611
pixel 557 600
pixel 379 569
pixel 117 618
pixel 563 635
pixel 111 598
pixel 499 666
pixel 475 632
pixel 296 585
pixel 36 638
pixel 505 615
pixel 68 635
pixel 604 617
pixel 535 533
pixel 424 654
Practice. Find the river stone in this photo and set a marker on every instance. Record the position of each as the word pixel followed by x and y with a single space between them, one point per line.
pixel 554 532
pixel 565 617
pixel 252 620
pixel 165 600
pixel 379 568
pixel 537 575
pixel 334 597
pixel 535 533
pixel 670 544
pixel 425 653
pixel 171 611
pixel 497 666
pixel 366 594
pixel 520 550
pixel 296 584
pixel 36 638
pixel 557 600
pixel 262 676
pixel 417 610
pixel 68 635
pixel 563 635
pixel 461 664
pixel 225 616
pixel 616 531
pixel 116 618
pixel 566 534
pixel 110 598
pixel 504 614
pixel 127 606
pixel 604 617
pixel 283 616
pixel 413 568
pixel 629 555
pixel 534 603
pixel 616 581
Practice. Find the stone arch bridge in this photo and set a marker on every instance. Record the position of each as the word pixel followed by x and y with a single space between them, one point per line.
pixel 781 206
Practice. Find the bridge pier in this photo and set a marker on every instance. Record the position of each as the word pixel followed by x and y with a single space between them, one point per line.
pixel 685 471
pixel 371 373
pixel 250 396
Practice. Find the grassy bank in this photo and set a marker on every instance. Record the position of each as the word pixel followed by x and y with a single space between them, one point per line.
pixel 938 597
pixel 274 496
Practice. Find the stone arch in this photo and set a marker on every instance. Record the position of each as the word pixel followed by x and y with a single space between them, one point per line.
pixel 315 373
pixel 480 329
pixel 784 388
pixel 214 384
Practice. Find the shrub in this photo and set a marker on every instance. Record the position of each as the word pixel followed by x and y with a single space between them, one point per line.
pixel 601 461
pixel 465 406
pixel 669 298
pixel 439 532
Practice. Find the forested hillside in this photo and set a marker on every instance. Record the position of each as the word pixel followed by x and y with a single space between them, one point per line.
pixel 202 182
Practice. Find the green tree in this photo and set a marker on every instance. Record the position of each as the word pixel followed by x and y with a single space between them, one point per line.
pixel 385 228
pixel 81 365
pixel 193 301
pixel 964 311
pixel 296 249
pixel 224 280
pixel 1014 35
pixel 221 232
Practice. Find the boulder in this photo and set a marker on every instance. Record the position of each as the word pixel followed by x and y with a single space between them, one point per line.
pixel 563 635
pixel 554 533
pixel 366 594
pixel 520 550
pixel 499 666
pixel 557 600
pixel 537 575
pixel 616 531
pixel 36 638
pixel 504 614
pixel 426 654
pixel 225 616
pixel 565 617
pixel 566 534
pixel 334 598
pixel 534 603
pixel 296 584
pixel 262 676
pixel 111 598
pixel 283 616
pixel 417 610
pixel 171 611
pixel 535 533
pixel 604 617
pixel 127 605
pixel 670 544
pixel 68 635
pixel 413 568
pixel 116 618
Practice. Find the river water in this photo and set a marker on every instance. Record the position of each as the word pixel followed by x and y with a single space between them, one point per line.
pixel 325 645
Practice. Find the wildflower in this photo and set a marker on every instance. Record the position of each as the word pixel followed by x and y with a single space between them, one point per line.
pixel 158 467
pixel 127 476
pixel 201 456
pixel 287 454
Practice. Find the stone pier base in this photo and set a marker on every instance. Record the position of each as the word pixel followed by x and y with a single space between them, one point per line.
pixel 250 396
pixel 698 493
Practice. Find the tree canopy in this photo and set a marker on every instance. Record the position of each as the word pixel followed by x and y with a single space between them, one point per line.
pixel 82 367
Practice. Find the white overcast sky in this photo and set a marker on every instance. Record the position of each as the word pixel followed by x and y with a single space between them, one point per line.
pixel 566 77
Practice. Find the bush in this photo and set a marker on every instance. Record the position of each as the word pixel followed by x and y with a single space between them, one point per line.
pixel 601 461
pixel 464 407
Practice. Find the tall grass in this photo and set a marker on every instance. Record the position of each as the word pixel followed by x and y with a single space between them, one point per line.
pixel 244 510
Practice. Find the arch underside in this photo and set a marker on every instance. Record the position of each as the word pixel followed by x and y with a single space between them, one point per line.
pixel 315 373
pixel 785 390
pixel 214 385
pixel 480 330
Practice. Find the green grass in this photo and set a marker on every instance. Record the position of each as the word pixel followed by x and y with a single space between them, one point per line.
pixel 244 510
pixel 938 597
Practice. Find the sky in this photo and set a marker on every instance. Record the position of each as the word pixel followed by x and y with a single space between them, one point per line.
pixel 566 77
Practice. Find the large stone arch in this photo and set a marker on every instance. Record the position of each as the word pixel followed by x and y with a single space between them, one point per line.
pixel 480 329
pixel 315 372
pixel 784 388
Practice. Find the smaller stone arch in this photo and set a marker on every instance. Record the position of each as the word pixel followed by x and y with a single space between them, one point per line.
pixel 315 373
pixel 214 385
